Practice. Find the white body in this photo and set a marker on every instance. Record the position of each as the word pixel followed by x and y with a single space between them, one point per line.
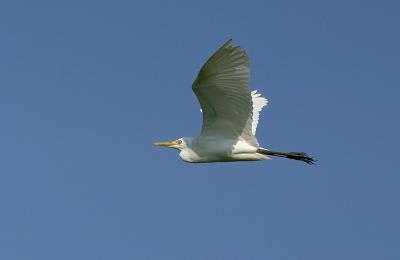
pixel 211 149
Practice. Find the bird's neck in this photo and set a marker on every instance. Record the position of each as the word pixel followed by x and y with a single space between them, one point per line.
pixel 188 154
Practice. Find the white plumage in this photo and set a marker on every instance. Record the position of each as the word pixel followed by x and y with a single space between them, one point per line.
pixel 230 113
pixel 258 103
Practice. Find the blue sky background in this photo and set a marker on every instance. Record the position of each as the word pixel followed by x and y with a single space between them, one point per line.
pixel 87 86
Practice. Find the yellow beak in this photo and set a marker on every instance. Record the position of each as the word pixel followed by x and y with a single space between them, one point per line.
pixel 166 144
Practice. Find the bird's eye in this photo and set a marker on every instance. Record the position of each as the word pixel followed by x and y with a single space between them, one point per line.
pixel 179 141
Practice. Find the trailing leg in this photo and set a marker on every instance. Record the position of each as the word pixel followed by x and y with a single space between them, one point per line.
pixel 290 155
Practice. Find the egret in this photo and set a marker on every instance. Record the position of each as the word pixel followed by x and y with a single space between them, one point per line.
pixel 230 113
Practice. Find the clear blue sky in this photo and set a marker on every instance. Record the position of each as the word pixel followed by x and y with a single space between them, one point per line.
pixel 87 86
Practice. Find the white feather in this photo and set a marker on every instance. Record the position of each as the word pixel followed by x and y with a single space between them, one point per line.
pixel 258 103
pixel 222 88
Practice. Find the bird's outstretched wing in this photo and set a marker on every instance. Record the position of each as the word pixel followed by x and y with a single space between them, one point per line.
pixel 222 88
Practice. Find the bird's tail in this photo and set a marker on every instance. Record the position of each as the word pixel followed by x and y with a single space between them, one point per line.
pixel 291 155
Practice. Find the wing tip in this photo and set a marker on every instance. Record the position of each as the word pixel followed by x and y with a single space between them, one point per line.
pixel 229 44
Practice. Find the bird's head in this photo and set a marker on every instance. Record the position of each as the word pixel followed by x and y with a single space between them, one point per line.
pixel 180 144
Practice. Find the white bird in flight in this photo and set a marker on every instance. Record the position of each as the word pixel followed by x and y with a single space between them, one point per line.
pixel 230 113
